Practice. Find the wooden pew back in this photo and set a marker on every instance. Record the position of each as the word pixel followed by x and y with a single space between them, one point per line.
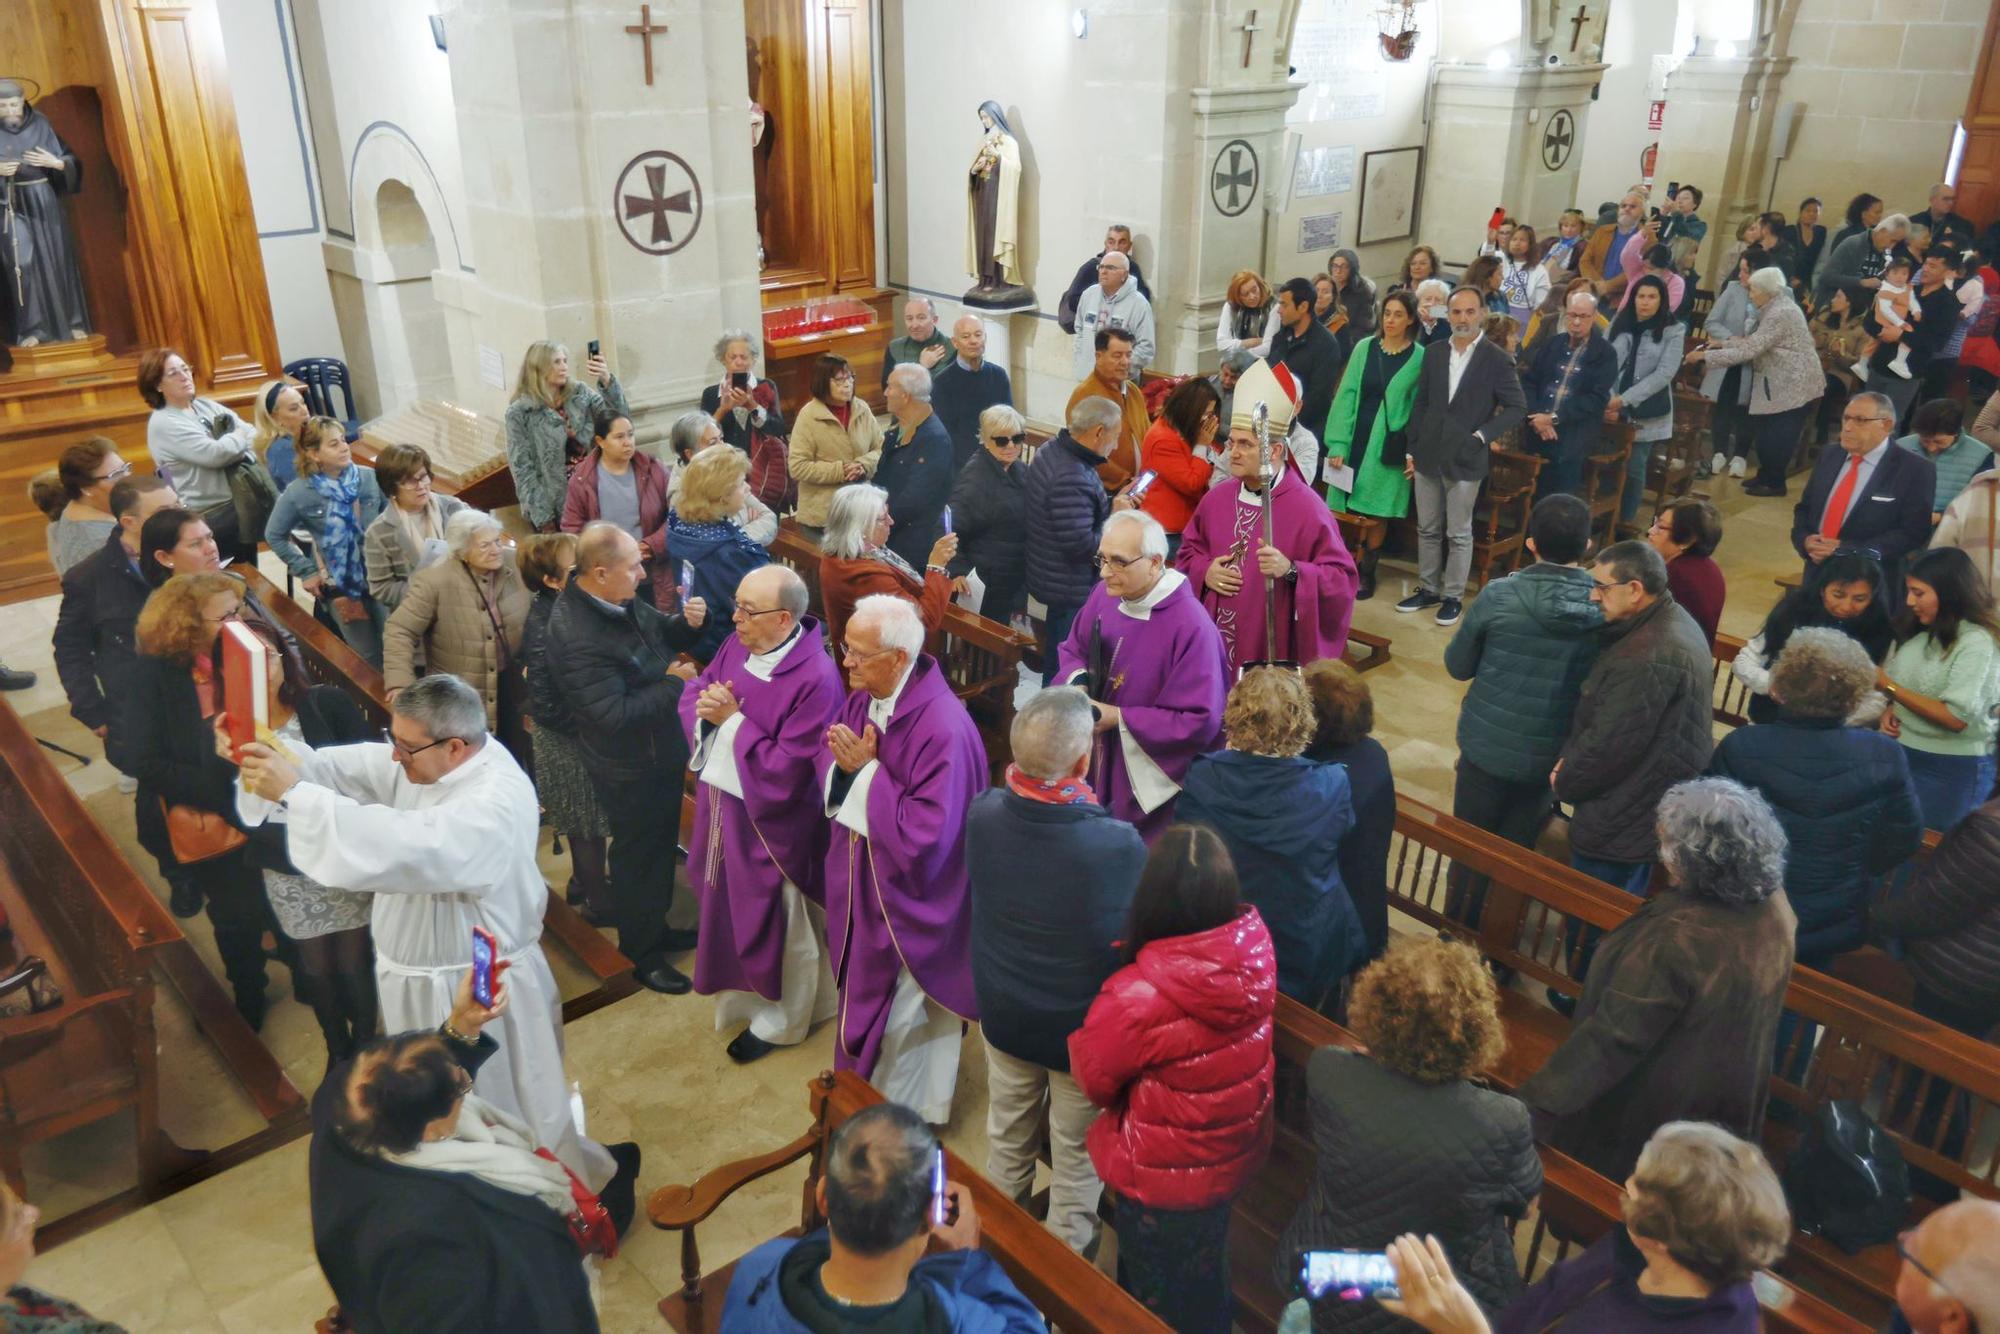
pixel 1066 1288
pixel 72 899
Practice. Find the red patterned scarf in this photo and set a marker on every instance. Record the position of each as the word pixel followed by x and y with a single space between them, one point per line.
pixel 1061 792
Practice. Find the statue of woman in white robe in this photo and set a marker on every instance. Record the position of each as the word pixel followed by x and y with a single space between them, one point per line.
pixel 993 212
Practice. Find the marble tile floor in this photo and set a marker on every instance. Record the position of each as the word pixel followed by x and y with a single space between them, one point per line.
pixel 234 1253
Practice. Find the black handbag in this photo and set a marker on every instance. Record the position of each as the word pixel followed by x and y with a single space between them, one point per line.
pixel 1847 1181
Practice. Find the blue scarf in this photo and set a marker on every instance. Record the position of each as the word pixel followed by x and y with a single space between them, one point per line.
pixel 340 543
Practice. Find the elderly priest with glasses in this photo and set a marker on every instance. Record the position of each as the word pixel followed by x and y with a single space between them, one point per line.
pixel 1151 660
pixel 1289 597
pixel 438 822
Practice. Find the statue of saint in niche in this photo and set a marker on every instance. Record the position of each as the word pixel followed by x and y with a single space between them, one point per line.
pixel 992 225
pixel 38 266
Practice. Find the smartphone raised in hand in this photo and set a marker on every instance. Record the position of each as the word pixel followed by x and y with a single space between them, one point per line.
pixel 739 379
pixel 1347 1276
pixel 485 950
pixel 595 347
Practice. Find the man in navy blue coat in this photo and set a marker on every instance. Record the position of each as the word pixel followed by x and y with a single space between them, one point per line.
pixel 966 386
pixel 1885 494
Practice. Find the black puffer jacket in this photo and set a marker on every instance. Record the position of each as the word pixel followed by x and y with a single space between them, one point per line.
pixel 1950 915
pixel 1642 724
pixel 609 667
pixel 545 701
pixel 1398 1156
pixel 989 514
pixel 1067 506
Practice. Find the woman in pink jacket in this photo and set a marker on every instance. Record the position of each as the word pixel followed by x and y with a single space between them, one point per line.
pixel 617 483
pixel 1177 1050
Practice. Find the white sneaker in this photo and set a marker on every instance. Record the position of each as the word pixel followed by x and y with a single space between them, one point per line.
pixel 127 784
pixel 1718 463
pixel 1860 369
pixel 1737 466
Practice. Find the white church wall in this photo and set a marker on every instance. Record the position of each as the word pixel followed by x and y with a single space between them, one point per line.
pixel 1620 129
pixel 1092 119
pixel 264 80
pixel 1356 102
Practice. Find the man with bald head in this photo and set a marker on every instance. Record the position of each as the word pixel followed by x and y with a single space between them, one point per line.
pixel 1115 303
pixel 611 657
pixel 756 722
pixel 966 386
pixel 1950 1279
pixel 899 768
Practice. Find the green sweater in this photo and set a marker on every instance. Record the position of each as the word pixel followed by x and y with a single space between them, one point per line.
pixel 1955 465
pixel 1966 680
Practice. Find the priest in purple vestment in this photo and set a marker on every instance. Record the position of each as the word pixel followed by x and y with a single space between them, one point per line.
pixel 1224 555
pixel 1154 666
pixel 900 768
pixel 756 724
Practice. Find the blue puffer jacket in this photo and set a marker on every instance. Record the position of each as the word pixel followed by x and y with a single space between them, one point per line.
pixel 966 1291
pixel 1526 643
pixel 1849 810
pixel 1283 820
pixel 1067 506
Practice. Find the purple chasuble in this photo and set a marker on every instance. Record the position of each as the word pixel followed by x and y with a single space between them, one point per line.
pixel 1313 614
pixel 745 848
pixel 901 898
pixel 1169 677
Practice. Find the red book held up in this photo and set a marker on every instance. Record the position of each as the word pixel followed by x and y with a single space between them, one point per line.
pixel 246 683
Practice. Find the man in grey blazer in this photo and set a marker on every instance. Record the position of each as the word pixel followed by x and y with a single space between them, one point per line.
pixel 1468 399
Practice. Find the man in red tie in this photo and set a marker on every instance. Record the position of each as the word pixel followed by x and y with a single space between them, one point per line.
pixel 1867 495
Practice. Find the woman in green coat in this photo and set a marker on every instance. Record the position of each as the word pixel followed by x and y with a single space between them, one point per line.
pixel 1369 416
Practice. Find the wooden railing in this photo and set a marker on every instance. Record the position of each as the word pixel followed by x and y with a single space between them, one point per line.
pixel 1898 1064
pixel 330 662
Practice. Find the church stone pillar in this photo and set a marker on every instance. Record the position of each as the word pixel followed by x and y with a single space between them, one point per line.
pixel 601 206
pixel 1222 168
pixel 1515 138
pixel 1718 134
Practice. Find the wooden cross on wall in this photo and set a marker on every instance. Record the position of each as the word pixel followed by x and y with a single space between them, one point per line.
pixel 1250 31
pixel 1581 17
pixel 644 30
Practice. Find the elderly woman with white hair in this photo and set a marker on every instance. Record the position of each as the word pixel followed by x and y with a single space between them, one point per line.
pixel 692 432
pixel 465 616
pixel 1703 1212
pixel 855 561
pixel 1433 299
pixel 989 513
pixel 1855 264
pixel 740 403
pixel 1786 377
pixel 1844 796
pixel 1680 1014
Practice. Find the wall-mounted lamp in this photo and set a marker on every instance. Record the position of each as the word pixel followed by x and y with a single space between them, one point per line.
pixel 437 30
pixel 1079 24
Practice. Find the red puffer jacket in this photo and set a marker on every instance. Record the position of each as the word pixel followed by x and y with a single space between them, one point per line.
pixel 1177 1049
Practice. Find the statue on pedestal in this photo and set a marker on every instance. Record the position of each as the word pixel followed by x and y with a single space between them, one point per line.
pixel 39 275
pixel 992 224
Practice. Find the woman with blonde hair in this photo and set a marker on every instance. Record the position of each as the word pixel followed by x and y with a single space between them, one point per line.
pixel 76 497
pixel 464 616
pixel 1283 818
pixel 1703 1213
pixel 279 413
pixel 1409 1136
pixel 549 426
pixel 174 696
pixel 1249 316
pixel 333 501
pixel 707 548
pixel 836 440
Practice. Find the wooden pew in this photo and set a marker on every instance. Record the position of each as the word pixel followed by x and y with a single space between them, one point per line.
pixel 329 661
pixel 1731 698
pixel 73 900
pixel 981 658
pixel 1576 1205
pixel 1869 1048
pixel 1069 1290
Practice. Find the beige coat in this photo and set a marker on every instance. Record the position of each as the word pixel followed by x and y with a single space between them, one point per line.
pixel 822 448
pixel 443 619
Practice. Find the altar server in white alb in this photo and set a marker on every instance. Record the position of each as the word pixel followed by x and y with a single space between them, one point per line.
pixel 440 825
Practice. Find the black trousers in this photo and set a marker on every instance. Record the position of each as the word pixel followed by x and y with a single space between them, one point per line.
pixel 1004 597
pixel 1777 440
pixel 1514 809
pixel 644 814
pixel 238 911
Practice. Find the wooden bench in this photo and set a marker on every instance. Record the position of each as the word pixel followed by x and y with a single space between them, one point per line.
pixel 1869 1048
pixel 1576 1206
pixel 1500 515
pixel 329 661
pixel 72 899
pixel 1072 1293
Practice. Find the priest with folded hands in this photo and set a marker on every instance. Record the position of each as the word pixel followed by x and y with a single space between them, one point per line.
pixel 1151 660
pixel 1224 555
pixel 756 722
pixel 901 765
